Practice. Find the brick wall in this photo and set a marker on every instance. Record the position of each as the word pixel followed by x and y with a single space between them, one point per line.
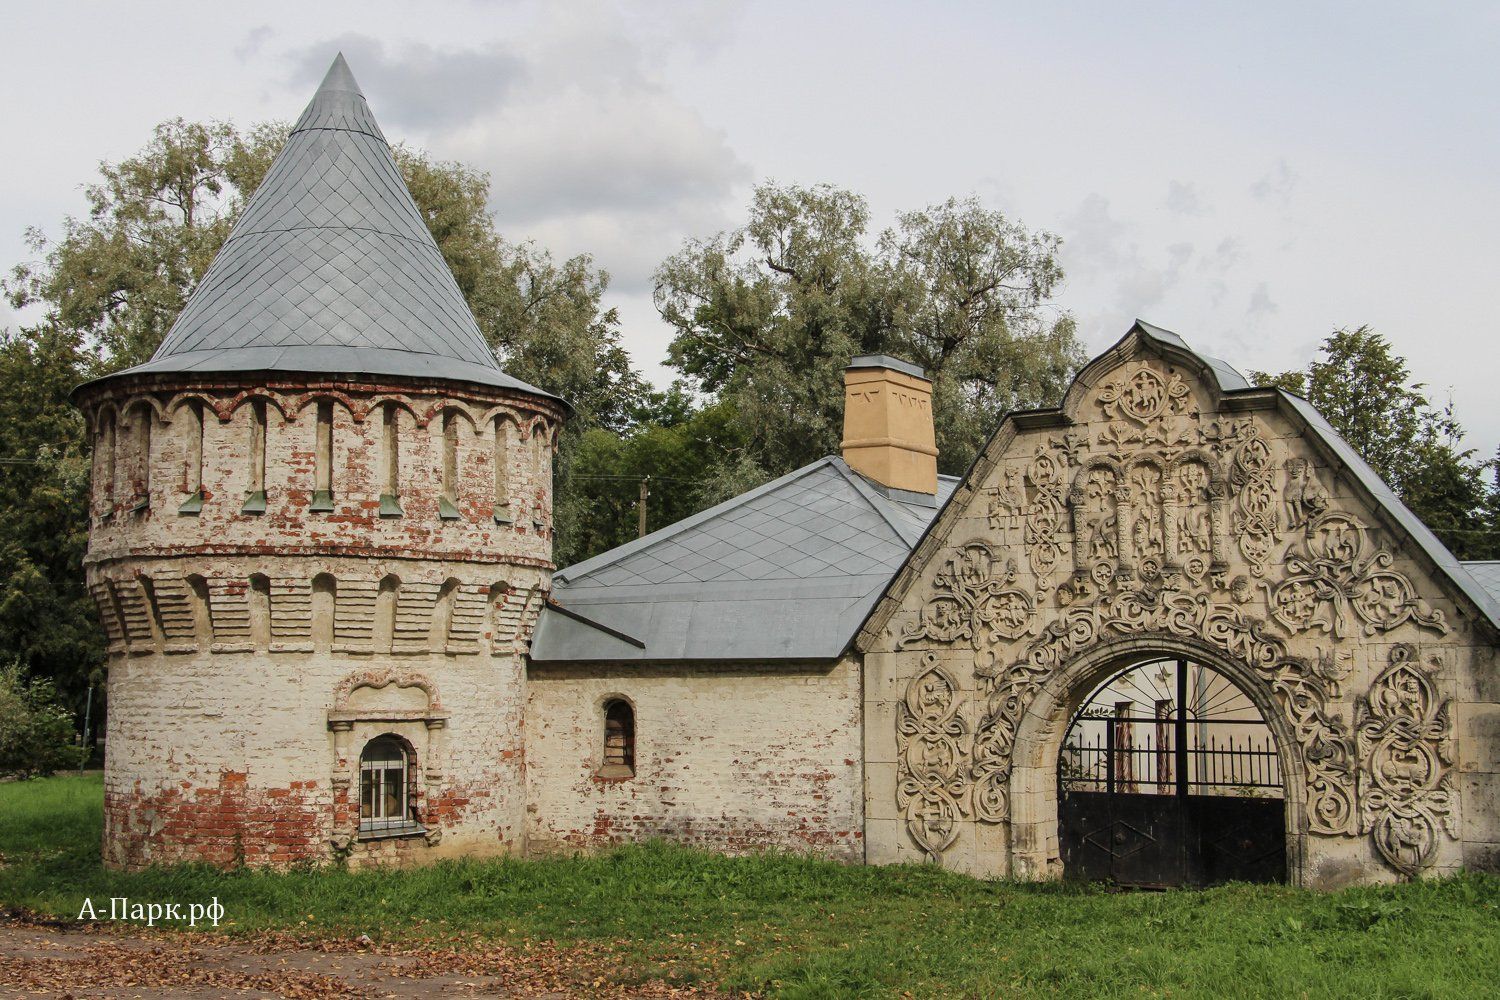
pixel 253 654
pixel 726 758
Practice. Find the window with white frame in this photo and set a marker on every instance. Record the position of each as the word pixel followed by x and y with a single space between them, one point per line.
pixel 385 786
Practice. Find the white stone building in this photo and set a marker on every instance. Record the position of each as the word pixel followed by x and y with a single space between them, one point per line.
pixel 1172 631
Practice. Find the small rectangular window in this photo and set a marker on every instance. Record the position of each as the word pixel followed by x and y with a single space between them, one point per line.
pixel 255 492
pixel 322 500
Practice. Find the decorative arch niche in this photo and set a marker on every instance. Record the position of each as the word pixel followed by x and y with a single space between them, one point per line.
pixel 375 703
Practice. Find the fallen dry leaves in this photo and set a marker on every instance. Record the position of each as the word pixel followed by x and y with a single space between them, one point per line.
pixel 46 959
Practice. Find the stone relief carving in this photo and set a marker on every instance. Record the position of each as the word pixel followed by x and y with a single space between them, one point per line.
pixel 973 599
pixel 931 784
pixel 1338 573
pixel 1254 521
pixel 1044 514
pixel 1406 756
pixel 1148 544
pixel 1010 690
pixel 1099 501
pixel 1305 497
pixel 1154 510
pixel 1144 396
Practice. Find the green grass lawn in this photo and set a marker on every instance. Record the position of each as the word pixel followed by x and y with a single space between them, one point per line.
pixel 793 927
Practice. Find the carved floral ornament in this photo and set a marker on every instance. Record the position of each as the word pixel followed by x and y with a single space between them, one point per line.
pixel 1158 541
pixel 1337 574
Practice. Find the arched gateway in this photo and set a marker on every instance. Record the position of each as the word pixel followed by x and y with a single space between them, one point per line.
pixel 1169 775
pixel 1046 680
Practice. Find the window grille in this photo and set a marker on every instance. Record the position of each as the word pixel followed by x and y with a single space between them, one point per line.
pixel 386 787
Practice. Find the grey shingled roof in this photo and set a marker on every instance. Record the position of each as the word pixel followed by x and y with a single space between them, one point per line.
pixel 785 571
pixel 1486 573
pixel 331 269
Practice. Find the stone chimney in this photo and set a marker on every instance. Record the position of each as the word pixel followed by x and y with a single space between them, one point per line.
pixel 888 432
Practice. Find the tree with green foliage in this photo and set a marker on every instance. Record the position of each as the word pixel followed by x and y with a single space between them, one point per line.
pixel 36 731
pixel 767 316
pixel 47 621
pixel 1366 391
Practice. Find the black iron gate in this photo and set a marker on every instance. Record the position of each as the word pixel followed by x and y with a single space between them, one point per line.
pixel 1183 796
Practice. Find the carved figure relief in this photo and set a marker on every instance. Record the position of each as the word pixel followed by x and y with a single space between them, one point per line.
pixel 1332 578
pixel 1406 757
pixel 931 759
pixel 1194 530
pixel 1305 497
pixel 1144 396
pixel 1100 504
pixel 1007 503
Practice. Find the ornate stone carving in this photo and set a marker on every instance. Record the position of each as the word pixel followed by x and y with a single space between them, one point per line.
pixel 1098 499
pixel 931 758
pixel 1009 691
pixel 1148 546
pixel 1044 514
pixel 1007 503
pixel 973 600
pixel 1305 497
pixel 1333 577
pixel 1254 521
pixel 1144 396
pixel 1404 737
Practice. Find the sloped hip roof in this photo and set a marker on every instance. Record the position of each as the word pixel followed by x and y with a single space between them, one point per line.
pixel 784 572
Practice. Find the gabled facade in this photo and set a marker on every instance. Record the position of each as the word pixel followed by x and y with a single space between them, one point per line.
pixel 1168 510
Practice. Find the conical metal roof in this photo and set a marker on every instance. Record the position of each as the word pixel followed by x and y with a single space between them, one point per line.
pixel 331 269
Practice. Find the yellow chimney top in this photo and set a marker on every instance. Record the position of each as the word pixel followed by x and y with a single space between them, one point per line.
pixel 888 433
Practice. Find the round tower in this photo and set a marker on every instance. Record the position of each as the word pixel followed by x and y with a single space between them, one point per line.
pixel 321 534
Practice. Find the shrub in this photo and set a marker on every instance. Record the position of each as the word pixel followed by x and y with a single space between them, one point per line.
pixel 36 732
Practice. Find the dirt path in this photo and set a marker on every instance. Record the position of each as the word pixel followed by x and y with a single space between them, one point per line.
pixel 81 961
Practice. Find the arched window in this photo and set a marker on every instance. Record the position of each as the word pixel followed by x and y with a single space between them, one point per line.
pixel 141 474
pixel 192 457
pixel 106 453
pixel 386 773
pixel 619 739
pixel 502 471
pixel 448 498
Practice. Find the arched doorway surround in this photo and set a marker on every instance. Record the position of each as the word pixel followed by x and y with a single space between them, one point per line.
pixel 1035 848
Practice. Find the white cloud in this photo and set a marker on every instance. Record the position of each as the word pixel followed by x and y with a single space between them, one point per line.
pixel 586 151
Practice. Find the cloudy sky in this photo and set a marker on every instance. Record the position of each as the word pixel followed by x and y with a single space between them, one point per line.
pixel 1251 177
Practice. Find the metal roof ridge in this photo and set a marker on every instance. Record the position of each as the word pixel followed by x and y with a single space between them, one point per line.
pixel 611 556
pixel 872 498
